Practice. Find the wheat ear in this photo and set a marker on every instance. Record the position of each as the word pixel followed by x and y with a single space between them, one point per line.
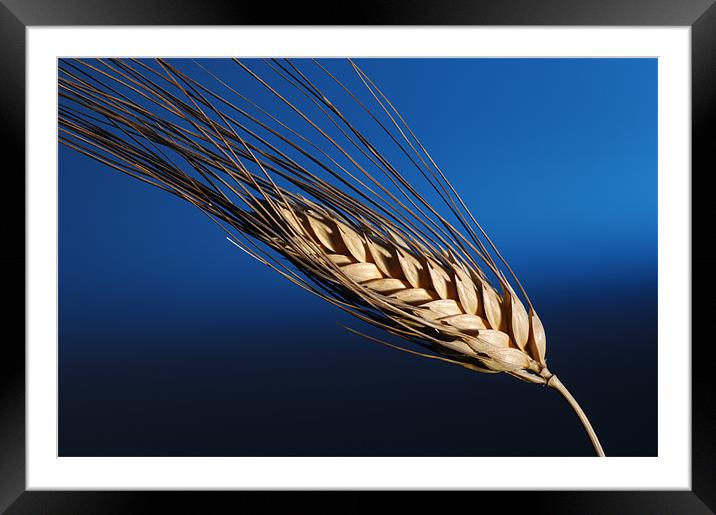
pixel 345 225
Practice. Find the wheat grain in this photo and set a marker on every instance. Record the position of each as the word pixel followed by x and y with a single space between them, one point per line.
pixel 457 310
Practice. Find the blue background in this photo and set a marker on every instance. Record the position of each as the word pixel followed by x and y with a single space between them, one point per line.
pixel 174 342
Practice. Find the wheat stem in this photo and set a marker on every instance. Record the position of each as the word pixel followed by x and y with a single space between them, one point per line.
pixel 555 383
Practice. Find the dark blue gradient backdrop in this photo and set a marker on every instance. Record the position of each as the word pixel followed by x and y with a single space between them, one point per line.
pixel 172 342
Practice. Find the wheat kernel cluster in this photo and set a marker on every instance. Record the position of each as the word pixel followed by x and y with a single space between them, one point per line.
pixel 468 314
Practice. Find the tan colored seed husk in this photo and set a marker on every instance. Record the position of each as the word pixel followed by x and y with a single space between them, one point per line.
pixel 457 308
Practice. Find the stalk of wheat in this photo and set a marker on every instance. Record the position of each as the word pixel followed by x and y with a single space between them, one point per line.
pixel 345 224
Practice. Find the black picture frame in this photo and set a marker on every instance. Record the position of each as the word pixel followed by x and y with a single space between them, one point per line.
pixel 16 15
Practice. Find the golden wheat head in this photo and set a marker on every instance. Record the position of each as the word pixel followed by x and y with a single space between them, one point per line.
pixel 302 189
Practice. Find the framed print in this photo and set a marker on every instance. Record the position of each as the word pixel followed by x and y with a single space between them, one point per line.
pixel 435 257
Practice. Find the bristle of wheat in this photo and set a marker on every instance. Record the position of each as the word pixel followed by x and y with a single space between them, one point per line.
pixel 406 267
